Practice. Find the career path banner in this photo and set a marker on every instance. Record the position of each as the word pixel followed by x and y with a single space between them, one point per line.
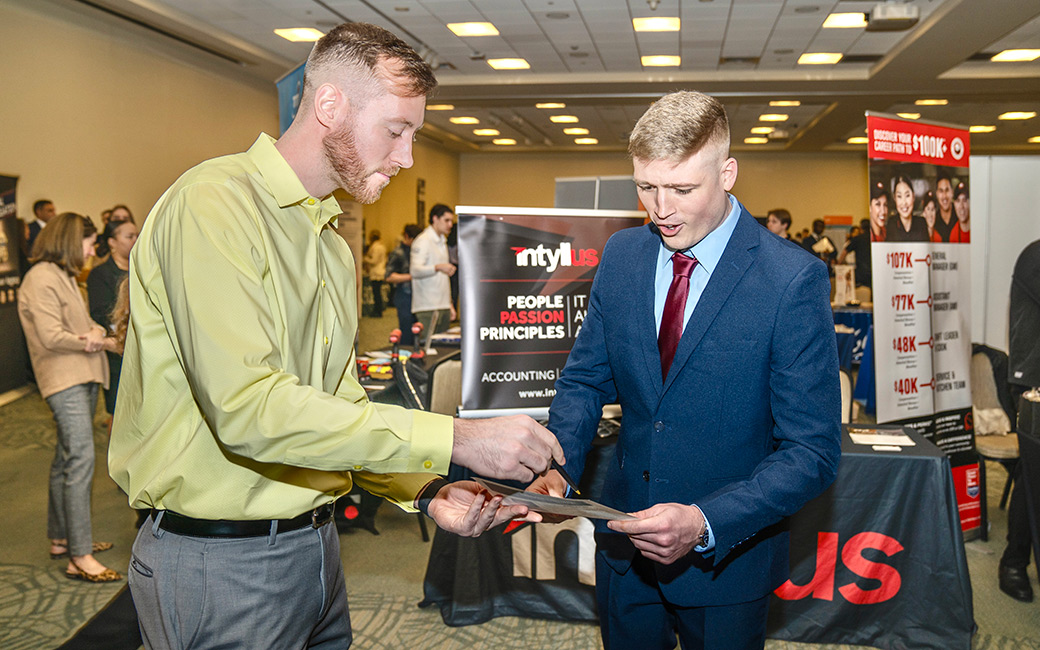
pixel 920 223
pixel 525 277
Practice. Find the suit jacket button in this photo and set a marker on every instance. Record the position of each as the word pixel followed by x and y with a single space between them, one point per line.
pixel 646 475
pixel 658 426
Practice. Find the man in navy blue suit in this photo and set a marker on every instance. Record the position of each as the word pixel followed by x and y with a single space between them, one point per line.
pixel 726 430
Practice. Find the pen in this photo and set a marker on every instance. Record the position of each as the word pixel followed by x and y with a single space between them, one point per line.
pixel 574 486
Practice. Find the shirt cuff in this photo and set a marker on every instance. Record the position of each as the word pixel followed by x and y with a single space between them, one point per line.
pixel 711 536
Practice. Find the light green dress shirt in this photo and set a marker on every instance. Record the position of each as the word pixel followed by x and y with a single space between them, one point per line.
pixel 239 396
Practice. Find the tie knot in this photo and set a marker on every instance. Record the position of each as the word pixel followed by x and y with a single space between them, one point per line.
pixel 683 264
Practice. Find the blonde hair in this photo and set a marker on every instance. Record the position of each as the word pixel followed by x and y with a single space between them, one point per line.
pixel 679 125
pixel 61 242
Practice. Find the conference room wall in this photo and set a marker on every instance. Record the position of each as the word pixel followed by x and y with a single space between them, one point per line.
pixel 809 185
pixel 397 206
pixel 96 112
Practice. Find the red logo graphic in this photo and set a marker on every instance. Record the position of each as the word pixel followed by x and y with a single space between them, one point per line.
pixel 821 586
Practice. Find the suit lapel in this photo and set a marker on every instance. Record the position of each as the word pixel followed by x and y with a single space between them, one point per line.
pixel 644 307
pixel 732 265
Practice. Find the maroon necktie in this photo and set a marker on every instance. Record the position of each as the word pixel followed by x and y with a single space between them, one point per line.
pixel 674 306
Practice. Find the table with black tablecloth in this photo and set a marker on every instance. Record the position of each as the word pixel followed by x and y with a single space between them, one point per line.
pixel 878 559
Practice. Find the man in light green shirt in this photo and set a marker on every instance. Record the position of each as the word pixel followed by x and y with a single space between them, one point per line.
pixel 240 418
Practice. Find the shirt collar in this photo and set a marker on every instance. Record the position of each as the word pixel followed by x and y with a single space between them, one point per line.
pixel 709 250
pixel 285 185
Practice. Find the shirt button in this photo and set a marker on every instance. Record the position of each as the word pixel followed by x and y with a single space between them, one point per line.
pixel 658 426
pixel 323 283
pixel 310 201
pixel 427 464
pixel 326 340
pixel 646 475
pixel 358 468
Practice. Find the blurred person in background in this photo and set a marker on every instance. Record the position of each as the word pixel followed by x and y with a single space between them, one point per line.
pixel 66 347
pixel 375 267
pixel 398 265
pixel 778 222
pixel 114 245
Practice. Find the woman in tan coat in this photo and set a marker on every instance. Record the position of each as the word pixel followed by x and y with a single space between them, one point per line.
pixel 67 352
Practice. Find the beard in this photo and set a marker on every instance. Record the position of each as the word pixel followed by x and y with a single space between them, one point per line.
pixel 348 170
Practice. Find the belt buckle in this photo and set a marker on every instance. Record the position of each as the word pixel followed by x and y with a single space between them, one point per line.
pixel 314 518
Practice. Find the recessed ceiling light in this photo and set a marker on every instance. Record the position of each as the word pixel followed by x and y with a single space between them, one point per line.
pixel 857 140
pixel 473 29
pixel 1017 115
pixel 909 116
pixel 503 141
pixel 756 140
pixel 773 117
pixel 509 64
pixel 656 24
pixel 440 107
pixel 557 15
pixel 550 105
pixel 806 9
pixel 564 119
pixel 463 120
pixel 299 34
pixel 486 132
pixel 762 130
pixel 932 102
pixel 819 58
pixel 1015 55
pixel 982 128
pixel 586 141
pixel 785 102
pixel 660 61
pixel 845 20
pixel 1035 139
pixel 576 130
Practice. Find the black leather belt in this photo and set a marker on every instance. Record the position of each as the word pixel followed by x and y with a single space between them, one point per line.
pixel 190 526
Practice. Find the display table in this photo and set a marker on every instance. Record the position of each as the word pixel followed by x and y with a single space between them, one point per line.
pixel 852 344
pixel 878 559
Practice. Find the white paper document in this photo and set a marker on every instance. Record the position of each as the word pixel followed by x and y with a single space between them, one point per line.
pixel 882 437
pixel 546 504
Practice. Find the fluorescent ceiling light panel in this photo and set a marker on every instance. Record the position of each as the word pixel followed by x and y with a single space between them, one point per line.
pixel 1017 115
pixel 932 102
pixel 909 116
pixel 564 119
pixel 473 29
pixel 586 141
pixel 857 140
pixel 440 107
pixel 1035 139
pixel 656 24
pixel 660 61
pixel 762 130
pixel 773 117
pixel 845 20
pixel 464 120
pixel 982 128
pixel 785 102
pixel 576 130
pixel 486 132
pixel 509 64
pixel 1008 56
pixel 756 140
pixel 504 141
pixel 299 34
pixel 550 105
pixel 819 58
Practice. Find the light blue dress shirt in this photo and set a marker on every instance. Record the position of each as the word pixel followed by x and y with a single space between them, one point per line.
pixel 708 251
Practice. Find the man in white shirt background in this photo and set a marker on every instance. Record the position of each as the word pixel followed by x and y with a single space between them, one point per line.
pixel 431 273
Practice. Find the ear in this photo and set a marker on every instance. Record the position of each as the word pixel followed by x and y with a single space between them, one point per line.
pixel 330 105
pixel 729 174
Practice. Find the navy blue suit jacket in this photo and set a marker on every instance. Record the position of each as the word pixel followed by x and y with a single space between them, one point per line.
pixel 747 423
